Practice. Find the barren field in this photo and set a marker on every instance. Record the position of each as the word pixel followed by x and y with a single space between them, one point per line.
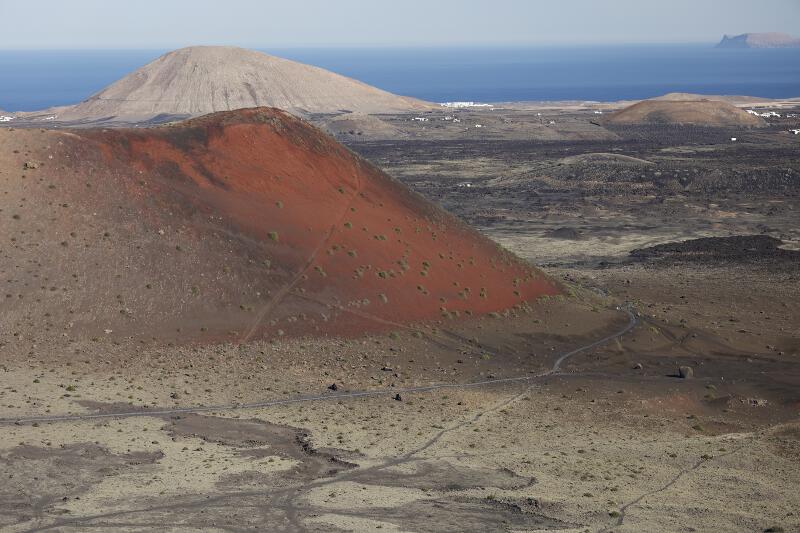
pixel 659 392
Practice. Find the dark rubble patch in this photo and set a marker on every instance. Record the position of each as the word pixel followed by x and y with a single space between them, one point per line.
pixel 250 434
pixel 570 234
pixel 465 515
pixel 37 479
pixel 735 249
pixel 442 475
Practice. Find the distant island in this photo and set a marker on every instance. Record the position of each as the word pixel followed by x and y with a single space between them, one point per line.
pixel 759 40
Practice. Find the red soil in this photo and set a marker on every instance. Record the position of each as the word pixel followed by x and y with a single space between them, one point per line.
pixel 333 244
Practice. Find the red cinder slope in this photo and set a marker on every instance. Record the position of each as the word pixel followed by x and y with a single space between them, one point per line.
pixel 252 224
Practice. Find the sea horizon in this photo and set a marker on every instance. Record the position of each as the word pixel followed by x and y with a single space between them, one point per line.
pixel 37 79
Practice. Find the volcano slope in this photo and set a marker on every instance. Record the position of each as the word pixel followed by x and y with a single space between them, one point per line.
pixel 198 80
pixel 235 226
pixel 713 113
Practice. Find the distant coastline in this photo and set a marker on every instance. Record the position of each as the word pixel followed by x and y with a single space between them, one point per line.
pixel 759 40
pixel 35 80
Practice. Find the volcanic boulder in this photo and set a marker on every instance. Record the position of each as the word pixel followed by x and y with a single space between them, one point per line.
pixel 236 225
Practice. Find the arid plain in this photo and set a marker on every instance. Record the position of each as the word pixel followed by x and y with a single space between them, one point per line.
pixel 169 365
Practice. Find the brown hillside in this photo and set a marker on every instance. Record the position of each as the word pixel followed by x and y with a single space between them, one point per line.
pixel 237 225
pixel 695 112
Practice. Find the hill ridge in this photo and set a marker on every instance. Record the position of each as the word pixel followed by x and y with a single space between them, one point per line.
pixel 699 112
pixel 197 80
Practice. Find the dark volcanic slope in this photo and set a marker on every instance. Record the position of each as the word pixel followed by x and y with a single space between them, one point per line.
pixel 722 250
pixel 236 225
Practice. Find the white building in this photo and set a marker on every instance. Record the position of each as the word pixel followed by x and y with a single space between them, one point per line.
pixel 463 104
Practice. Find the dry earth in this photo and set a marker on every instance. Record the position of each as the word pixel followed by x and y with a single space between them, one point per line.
pixel 613 441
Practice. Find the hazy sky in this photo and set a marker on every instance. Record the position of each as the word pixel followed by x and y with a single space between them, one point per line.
pixel 268 23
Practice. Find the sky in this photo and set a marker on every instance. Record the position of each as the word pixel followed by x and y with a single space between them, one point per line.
pixel 160 24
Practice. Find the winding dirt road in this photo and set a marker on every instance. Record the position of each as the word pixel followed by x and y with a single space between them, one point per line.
pixel 633 322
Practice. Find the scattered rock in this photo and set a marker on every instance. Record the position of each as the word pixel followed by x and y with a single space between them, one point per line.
pixel 333 386
pixel 756 402
pixel 637 366
pixel 398 397
pixel 685 372
pixel 30 165
pixel 174 395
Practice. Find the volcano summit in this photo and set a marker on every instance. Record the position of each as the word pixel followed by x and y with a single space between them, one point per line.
pixel 199 80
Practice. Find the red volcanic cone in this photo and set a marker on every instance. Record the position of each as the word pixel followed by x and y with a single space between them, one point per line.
pixel 241 224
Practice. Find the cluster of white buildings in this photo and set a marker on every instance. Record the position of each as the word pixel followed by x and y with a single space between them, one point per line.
pixel 446 118
pixel 6 118
pixel 765 114
pixel 463 104
pixel 768 114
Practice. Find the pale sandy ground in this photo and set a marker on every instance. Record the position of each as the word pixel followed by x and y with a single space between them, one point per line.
pixel 600 448
pixel 581 456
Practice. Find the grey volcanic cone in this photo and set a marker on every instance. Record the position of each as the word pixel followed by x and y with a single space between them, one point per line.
pixel 205 79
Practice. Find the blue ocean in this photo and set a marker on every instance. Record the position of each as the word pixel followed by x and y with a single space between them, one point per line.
pixel 31 80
